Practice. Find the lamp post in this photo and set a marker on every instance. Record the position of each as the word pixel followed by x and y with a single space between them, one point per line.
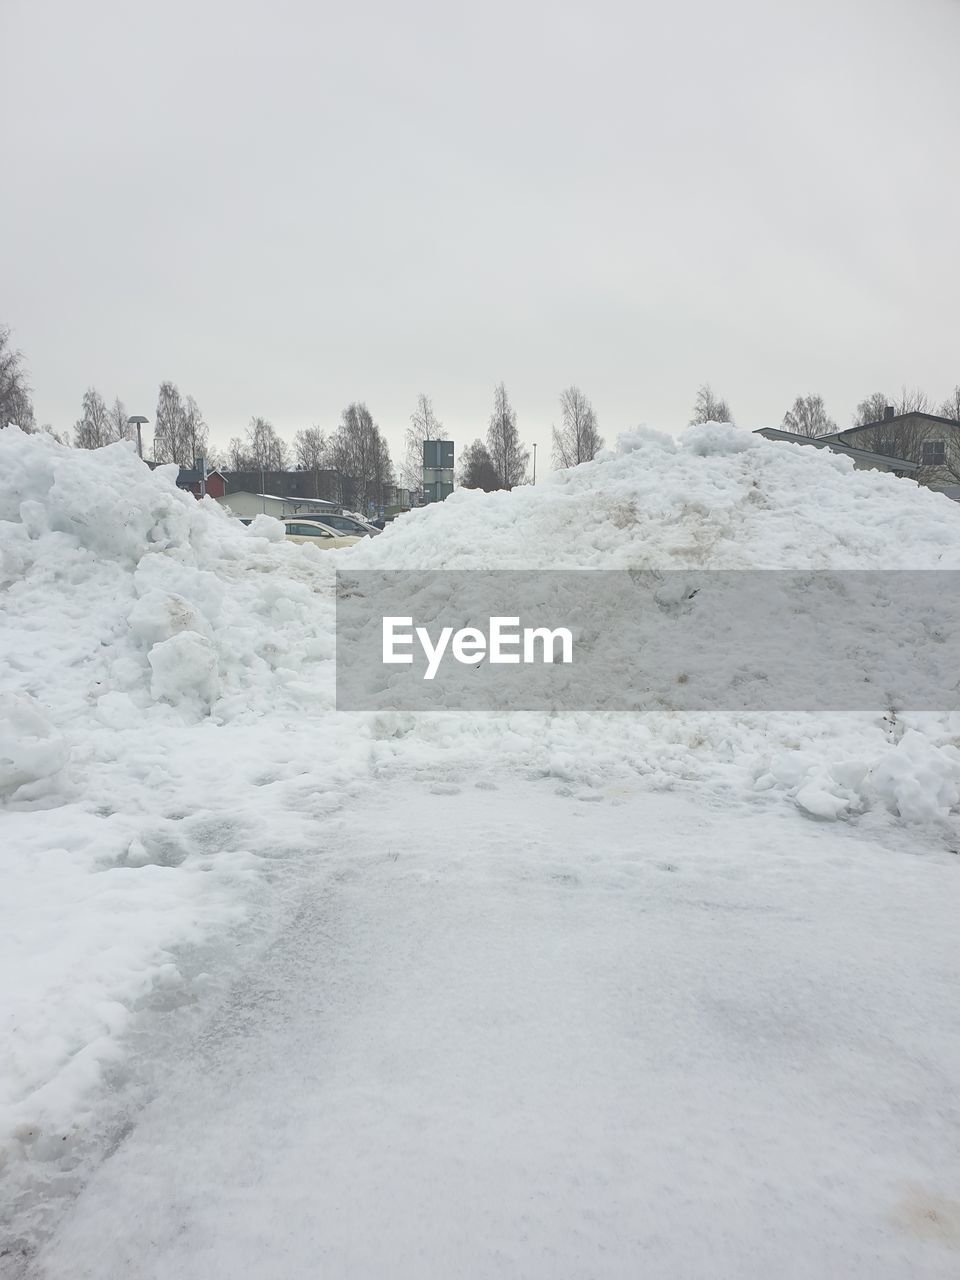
pixel 138 422
pixel 534 462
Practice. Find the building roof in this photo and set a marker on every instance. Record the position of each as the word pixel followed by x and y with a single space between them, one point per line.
pixel 294 500
pixel 897 417
pixel 835 445
pixel 187 475
pixel 322 503
pixel 190 475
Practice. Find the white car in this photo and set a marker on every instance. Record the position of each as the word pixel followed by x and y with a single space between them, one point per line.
pixel 316 534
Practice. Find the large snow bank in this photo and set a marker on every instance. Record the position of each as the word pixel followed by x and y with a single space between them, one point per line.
pixel 167 692
pixel 717 498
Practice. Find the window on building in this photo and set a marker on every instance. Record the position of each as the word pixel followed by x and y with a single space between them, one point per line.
pixel 933 453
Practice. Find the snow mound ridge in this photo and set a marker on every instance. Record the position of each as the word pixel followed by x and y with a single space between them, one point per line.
pixel 717 498
pixel 119 585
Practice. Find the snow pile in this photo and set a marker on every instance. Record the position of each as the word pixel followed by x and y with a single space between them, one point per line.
pixel 717 498
pixel 119 586
pixel 167 723
pixel 135 623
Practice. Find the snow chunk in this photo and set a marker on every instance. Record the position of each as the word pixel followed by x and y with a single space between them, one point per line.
pixel 160 615
pixel 264 526
pixel 641 438
pixel 30 749
pixel 918 780
pixel 184 667
pixel 708 439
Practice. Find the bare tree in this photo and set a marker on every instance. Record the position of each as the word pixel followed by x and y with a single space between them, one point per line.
pixel 195 437
pixel 808 417
pixel 507 454
pixel 180 433
pixel 92 429
pixel 265 448
pixel 477 470
pixel 361 458
pixel 310 448
pixel 340 456
pixel 381 468
pixel 237 456
pixel 874 407
pixel 16 407
pixel 424 425
pixel 578 438
pixel 870 410
pixel 709 408
pixel 117 420
pixel 168 429
pixel 950 408
pixel 913 401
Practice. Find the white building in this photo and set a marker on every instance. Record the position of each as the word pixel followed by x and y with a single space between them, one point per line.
pixel 247 505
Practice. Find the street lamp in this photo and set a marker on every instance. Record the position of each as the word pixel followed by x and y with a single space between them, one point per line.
pixel 534 462
pixel 138 422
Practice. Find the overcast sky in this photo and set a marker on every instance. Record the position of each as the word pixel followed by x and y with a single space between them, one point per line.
pixel 284 206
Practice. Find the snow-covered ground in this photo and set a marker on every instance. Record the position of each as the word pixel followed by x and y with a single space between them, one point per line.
pixel 675 995
pixel 514 1031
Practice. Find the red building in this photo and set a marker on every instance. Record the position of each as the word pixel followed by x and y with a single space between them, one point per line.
pixel 191 479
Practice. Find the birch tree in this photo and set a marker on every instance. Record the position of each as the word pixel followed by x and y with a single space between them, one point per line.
pixel 808 417
pixel 578 438
pixel 424 425
pixel 92 429
pixel 507 454
pixel 709 407
pixel 16 406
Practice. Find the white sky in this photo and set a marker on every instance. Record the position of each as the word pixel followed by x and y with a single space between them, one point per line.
pixel 287 206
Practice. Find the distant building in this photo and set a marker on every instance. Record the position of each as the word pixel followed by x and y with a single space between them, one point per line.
pixel 923 446
pixel 247 505
pixel 319 482
pixel 863 459
pixel 191 479
pixel 929 442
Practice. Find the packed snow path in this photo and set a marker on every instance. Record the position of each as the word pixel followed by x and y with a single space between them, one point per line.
pixel 510 1032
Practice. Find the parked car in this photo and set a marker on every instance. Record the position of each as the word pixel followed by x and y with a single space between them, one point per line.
pixel 317 534
pixel 347 524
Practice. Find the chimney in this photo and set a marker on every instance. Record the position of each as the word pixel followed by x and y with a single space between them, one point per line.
pixel 888 413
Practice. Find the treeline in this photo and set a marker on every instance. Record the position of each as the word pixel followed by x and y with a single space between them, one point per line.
pixel 808 416
pixel 501 461
pixel 357 451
